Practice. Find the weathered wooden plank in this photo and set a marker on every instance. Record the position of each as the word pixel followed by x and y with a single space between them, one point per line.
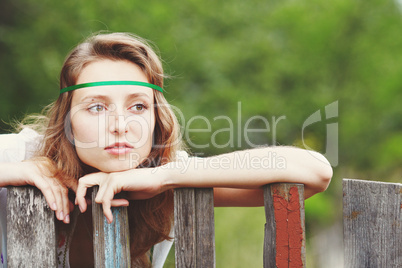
pixel 205 227
pixel 284 241
pixel 185 227
pixel 111 241
pixel 270 229
pixel 31 234
pixel 372 218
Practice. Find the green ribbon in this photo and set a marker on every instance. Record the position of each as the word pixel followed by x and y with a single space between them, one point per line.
pixel 111 83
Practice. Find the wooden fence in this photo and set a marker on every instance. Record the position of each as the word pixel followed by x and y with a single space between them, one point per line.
pixel 372 224
pixel 372 228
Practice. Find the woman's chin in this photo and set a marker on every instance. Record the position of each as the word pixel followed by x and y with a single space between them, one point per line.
pixel 117 167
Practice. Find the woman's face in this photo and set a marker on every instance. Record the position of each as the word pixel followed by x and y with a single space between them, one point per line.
pixel 112 126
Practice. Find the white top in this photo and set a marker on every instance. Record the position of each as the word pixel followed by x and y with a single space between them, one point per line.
pixel 21 146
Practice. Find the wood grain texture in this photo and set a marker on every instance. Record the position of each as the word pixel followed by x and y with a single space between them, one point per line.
pixel 111 241
pixel 372 218
pixel 31 234
pixel 284 242
pixel 194 228
pixel 270 229
pixel 185 227
pixel 205 227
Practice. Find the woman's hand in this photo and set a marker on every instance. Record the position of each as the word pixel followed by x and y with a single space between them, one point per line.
pixel 37 173
pixel 141 183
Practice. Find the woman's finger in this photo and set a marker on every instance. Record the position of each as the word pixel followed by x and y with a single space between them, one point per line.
pixel 47 192
pixel 83 184
pixel 52 195
pixel 65 201
pixel 58 191
pixel 107 211
pixel 105 185
pixel 107 202
pixel 101 192
pixel 80 196
pixel 119 203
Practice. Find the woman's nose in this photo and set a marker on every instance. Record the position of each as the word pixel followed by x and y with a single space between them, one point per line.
pixel 117 124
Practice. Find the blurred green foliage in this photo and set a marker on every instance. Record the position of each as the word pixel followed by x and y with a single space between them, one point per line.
pixel 270 58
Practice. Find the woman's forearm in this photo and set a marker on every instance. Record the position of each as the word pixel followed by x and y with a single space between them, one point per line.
pixel 11 174
pixel 252 169
pixel 236 177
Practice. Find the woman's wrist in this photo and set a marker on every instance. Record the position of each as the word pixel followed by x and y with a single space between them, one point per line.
pixel 168 175
pixel 26 169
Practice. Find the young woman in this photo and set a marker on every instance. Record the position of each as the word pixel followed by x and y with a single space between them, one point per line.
pixel 111 126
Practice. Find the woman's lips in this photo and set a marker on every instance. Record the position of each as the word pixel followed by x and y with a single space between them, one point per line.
pixel 119 148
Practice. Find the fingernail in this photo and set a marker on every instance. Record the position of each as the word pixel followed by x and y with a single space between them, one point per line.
pixel 80 208
pixel 54 207
pixel 61 215
pixel 67 219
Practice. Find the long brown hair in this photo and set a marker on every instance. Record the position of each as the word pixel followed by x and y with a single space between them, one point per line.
pixel 150 220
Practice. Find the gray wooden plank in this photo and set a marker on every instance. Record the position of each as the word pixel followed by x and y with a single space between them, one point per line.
pixel 372 217
pixel 284 241
pixel 185 227
pixel 111 241
pixel 270 230
pixel 205 227
pixel 31 234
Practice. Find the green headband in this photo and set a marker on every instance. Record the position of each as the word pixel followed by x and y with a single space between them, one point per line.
pixel 111 83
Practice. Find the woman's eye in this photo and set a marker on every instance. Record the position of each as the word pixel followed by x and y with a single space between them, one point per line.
pixel 97 108
pixel 138 107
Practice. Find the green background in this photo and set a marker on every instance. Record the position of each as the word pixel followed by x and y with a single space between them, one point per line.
pixel 277 58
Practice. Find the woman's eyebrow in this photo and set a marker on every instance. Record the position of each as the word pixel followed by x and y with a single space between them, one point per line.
pixel 95 97
pixel 138 95
pixel 107 98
